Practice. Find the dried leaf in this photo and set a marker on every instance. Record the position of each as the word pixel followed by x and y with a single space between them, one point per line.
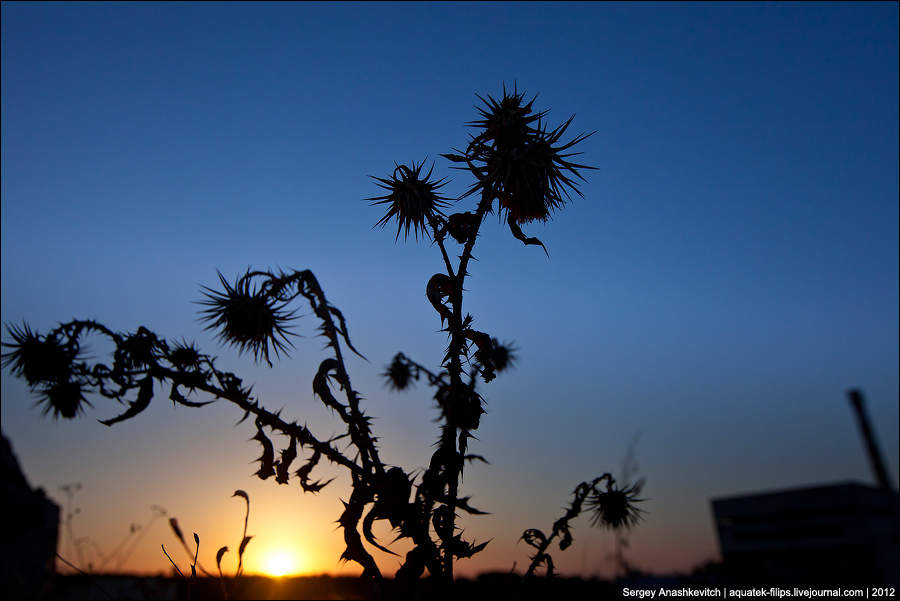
pixel 534 538
pixel 479 548
pixel 287 456
pixel 566 540
pixel 518 235
pixel 144 396
pixel 343 330
pixel 304 472
pixel 176 397
pixel 439 286
pixel 463 550
pixel 316 486
pixel 463 503
pixel 321 388
pixel 477 458
pixel 267 459
pixel 367 531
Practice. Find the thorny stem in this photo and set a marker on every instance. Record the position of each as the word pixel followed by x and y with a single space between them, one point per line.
pixel 316 297
pixel 452 455
pixel 302 433
pixel 562 524
pixel 227 386
pixel 74 328
pixel 434 379
pixel 368 451
pixel 357 427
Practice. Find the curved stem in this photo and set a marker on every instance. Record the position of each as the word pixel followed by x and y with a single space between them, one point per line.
pixel 439 239
pixel 581 493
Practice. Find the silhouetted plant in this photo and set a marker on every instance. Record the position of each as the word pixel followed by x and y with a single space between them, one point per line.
pixel 612 507
pixel 242 547
pixel 628 474
pixel 523 171
pixel 76 545
pixel 196 554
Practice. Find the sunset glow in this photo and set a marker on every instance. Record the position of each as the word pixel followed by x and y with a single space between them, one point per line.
pixel 693 316
pixel 281 563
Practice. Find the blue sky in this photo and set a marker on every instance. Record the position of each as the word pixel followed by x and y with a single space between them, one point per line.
pixel 731 270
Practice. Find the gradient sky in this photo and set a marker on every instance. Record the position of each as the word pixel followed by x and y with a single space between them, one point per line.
pixel 730 272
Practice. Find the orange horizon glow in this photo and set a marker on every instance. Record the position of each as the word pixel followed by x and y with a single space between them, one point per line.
pixel 281 561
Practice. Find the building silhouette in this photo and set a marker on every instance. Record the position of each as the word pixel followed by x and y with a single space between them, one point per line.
pixel 830 534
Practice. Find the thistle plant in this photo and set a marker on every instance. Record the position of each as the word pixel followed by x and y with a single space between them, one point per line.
pixel 611 506
pixel 523 171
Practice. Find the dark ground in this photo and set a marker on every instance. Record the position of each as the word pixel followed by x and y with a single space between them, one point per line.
pixel 486 586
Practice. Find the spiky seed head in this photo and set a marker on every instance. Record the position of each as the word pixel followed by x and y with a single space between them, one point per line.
pixel 47 366
pixel 65 398
pixel 33 357
pixel 506 123
pixel 398 374
pixel 412 199
pixel 247 318
pixel 137 350
pixel 520 161
pixel 503 356
pixel 615 508
pixel 185 356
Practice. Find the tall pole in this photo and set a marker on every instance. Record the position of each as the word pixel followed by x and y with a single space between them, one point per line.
pixel 856 399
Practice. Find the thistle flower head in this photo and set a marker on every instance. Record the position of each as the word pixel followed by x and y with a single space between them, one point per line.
pixel 47 365
pixel 506 123
pixel 398 374
pixel 185 356
pixel 615 507
pixel 412 199
pixel 137 350
pixel 503 356
pixel 63 397
pixel 36 358
pixel 519 161
pixel 248 318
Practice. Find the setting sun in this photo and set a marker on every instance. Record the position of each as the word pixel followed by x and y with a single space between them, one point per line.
pixel 281 563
